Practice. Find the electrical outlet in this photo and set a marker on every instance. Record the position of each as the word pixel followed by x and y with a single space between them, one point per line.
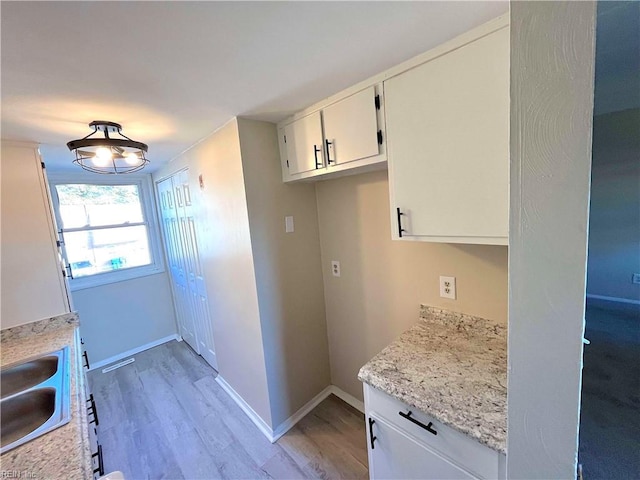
pixel 335 268
pixel 448 287
pixel 635 278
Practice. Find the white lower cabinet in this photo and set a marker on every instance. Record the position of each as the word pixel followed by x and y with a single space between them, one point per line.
pixel 395 455
pixel 404 443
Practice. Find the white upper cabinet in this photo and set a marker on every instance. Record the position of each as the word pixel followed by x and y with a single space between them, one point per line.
pixel 440 121
pixel 448 135
pixel 33 285
pixel 343 135
pixel 304 145
pixel 351 128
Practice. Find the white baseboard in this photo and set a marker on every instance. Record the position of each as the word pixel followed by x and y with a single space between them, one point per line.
pixel 614 299
pixel 285 426
pixel 133 351
pixel 251 413
pixel 273 435
pixel 348 398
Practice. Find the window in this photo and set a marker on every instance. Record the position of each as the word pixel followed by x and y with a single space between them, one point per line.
pixel 106 228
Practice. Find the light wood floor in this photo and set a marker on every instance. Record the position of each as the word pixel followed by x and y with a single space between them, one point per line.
pixel 164 416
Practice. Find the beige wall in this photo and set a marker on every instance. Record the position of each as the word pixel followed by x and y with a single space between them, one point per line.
pixel 264 286
pixel 614 221
pixel 225 248
pixel 383 282
pixel 121 316
pixel 288 274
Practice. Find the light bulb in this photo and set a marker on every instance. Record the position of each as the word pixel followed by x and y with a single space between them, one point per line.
pixel 132 159
pixel 102 157
pixel 100 161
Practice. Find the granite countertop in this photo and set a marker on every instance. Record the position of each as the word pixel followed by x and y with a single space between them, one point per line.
pixel 450 366
pixel 63 452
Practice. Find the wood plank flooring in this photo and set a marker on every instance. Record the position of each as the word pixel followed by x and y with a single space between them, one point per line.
pixel 164 416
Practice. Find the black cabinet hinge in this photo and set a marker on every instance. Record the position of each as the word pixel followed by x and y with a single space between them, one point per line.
pixel 42 165
pixel 285 139
pixel 287 163
pixel 58 243
pixel 377 101
pixel 380 137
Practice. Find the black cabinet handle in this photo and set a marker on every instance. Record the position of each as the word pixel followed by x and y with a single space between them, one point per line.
pixel 400 229
pixel 68 272
pixel 327 143
pixel 100 469
pixel 91 409
pixel 86 359
pixel 372 438
pixel 420 424
pixel 315 154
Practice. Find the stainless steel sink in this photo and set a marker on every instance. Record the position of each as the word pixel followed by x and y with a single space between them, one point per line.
pixel 26 375
pixel 35 398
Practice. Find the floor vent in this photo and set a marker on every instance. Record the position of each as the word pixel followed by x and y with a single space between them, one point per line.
pixel 118 365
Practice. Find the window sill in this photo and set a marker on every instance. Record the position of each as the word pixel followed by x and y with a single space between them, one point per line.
pixel 99 280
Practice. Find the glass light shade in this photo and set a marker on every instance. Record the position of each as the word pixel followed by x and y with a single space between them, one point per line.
pixel 101 160
pixel 104 153
pixel 132 159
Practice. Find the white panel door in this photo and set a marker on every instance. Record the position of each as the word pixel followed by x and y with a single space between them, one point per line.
pixel 447 137
pixel 397 456
pixel 175 257
pixel 305 150
pixel 351 128
pixel 199 303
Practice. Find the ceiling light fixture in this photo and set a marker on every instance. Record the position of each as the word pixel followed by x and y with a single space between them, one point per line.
pixel 109 155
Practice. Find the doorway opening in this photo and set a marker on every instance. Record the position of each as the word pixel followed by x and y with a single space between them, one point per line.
pixel 610 413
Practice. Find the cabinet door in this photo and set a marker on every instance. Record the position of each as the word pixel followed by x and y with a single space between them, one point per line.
pixel 448 132
pixel 396 455
pixel 33 287
pixel 304 144
pixel 351 128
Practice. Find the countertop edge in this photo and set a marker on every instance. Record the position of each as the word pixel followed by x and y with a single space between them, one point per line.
pixel 44 325
pixel 370 379
pixel 385 375
pixel 65 451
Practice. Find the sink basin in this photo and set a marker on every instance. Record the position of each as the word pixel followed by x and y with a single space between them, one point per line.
pixel 25 413
pixel 35 398
pixel 26 375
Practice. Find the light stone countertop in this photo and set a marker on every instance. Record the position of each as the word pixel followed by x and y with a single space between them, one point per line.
pixel 63 452
pixel 450 366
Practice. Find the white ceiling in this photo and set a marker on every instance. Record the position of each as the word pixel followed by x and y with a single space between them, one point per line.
pixel 173 72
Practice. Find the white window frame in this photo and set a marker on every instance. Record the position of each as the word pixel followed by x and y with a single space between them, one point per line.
pixel 149 212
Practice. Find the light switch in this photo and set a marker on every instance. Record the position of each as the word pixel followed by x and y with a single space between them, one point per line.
pixel 288 224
